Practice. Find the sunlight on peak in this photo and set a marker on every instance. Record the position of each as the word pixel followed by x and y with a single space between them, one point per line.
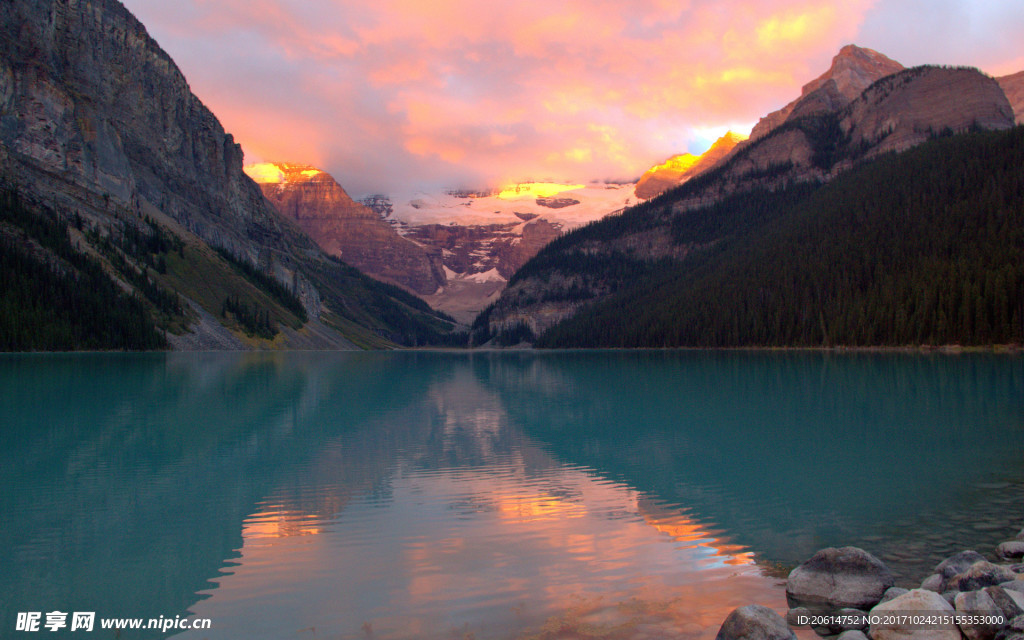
pixel 265 173
pixel 536 190
pixel 309 173
pixel 678 163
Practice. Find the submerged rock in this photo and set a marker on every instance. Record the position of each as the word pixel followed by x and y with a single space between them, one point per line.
pixel 754 622
pixel 1013 550
pixel 914 601
pixel 837 578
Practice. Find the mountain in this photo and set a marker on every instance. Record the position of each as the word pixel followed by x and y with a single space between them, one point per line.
pixel 931 258
pixel 1013 87
pixel 344 228
pixel 760 178
pixel 853 70
pixel 478 238
pixel 101 136
pixel 679 169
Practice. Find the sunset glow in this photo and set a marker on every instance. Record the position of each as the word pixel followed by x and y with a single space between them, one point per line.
pixel 536 190
pixel 390 96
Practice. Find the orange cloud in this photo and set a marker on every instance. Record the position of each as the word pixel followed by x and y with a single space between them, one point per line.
pixel 398 93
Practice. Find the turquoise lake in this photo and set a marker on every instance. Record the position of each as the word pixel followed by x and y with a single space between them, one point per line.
pixel 486 495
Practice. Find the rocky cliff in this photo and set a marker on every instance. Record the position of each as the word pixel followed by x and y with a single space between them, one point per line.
pixel 679 169
pixel 344 228
pixel 853 70
pixel 96 119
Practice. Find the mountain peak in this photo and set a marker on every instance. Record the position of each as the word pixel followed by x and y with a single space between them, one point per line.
pixel 282 172
pixel 681 168
pixel 853 70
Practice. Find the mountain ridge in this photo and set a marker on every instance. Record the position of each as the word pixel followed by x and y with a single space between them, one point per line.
pixel 98 124
pixel 891 114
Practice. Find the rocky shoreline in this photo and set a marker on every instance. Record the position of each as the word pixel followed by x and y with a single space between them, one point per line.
pixel 850 594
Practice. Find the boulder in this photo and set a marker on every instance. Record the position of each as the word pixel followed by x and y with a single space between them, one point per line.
pixel 754 622
pixel 852 634
pixel 933 583
pixel 796 614
pixel 1010 603
pixel 895 592
pixel 980 575
pixel 1012 550
pixel 1013 585
pixel 837 578
pixel 978 603
pixel 1020 536
pixel 916 600
pixel 957 564
pixel 1014 630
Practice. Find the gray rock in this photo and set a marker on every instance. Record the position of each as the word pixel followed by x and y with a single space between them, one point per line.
pixel 754 622
pixel 950 596
pixel 978 603
pixel 957 564
pixel 895 592
pixel 836 578
pixel 1012 550
pixel 1017 568
pixel 933 583
pixel 794 615
pixel 916 600
pixel 852 634
pixel 1013 585
pixel 1014 630
pixel 1020 536
pixel 1010 603
pixel 980 575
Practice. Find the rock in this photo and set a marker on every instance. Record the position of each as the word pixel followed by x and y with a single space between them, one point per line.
pixel 1013 550
pixel 914 601
pixel 950 596
pixel 978 603
pixel 794 615
pixel 933 583
pixel 895 592
pixel 1020 536
pixel 957 564
pixel 980 575
pixel 1013 585
pixel 852 634
pixel 1017 568
pixel 754 622
pixel 844 577
pixel 1010 603
pixel 1014 630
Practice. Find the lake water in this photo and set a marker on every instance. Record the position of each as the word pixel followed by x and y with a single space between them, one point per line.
pixel 487 495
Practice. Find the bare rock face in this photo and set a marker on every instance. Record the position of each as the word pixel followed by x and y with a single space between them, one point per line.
pixel 853 70
pixel 905 109
pixel 87 95
pixel 344 228
pixel 1013 87
pixel 679 169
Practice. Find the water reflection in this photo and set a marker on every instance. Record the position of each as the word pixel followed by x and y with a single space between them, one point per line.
pixel 500 495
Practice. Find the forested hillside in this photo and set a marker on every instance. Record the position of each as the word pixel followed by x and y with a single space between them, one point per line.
pixel 924 247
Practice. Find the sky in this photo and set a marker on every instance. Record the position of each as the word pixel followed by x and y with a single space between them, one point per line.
pixel 394 96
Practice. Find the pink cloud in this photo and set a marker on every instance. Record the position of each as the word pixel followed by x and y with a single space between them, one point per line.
pixel 396 94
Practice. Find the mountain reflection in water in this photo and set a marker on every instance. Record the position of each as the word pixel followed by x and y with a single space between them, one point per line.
pixel 407 495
